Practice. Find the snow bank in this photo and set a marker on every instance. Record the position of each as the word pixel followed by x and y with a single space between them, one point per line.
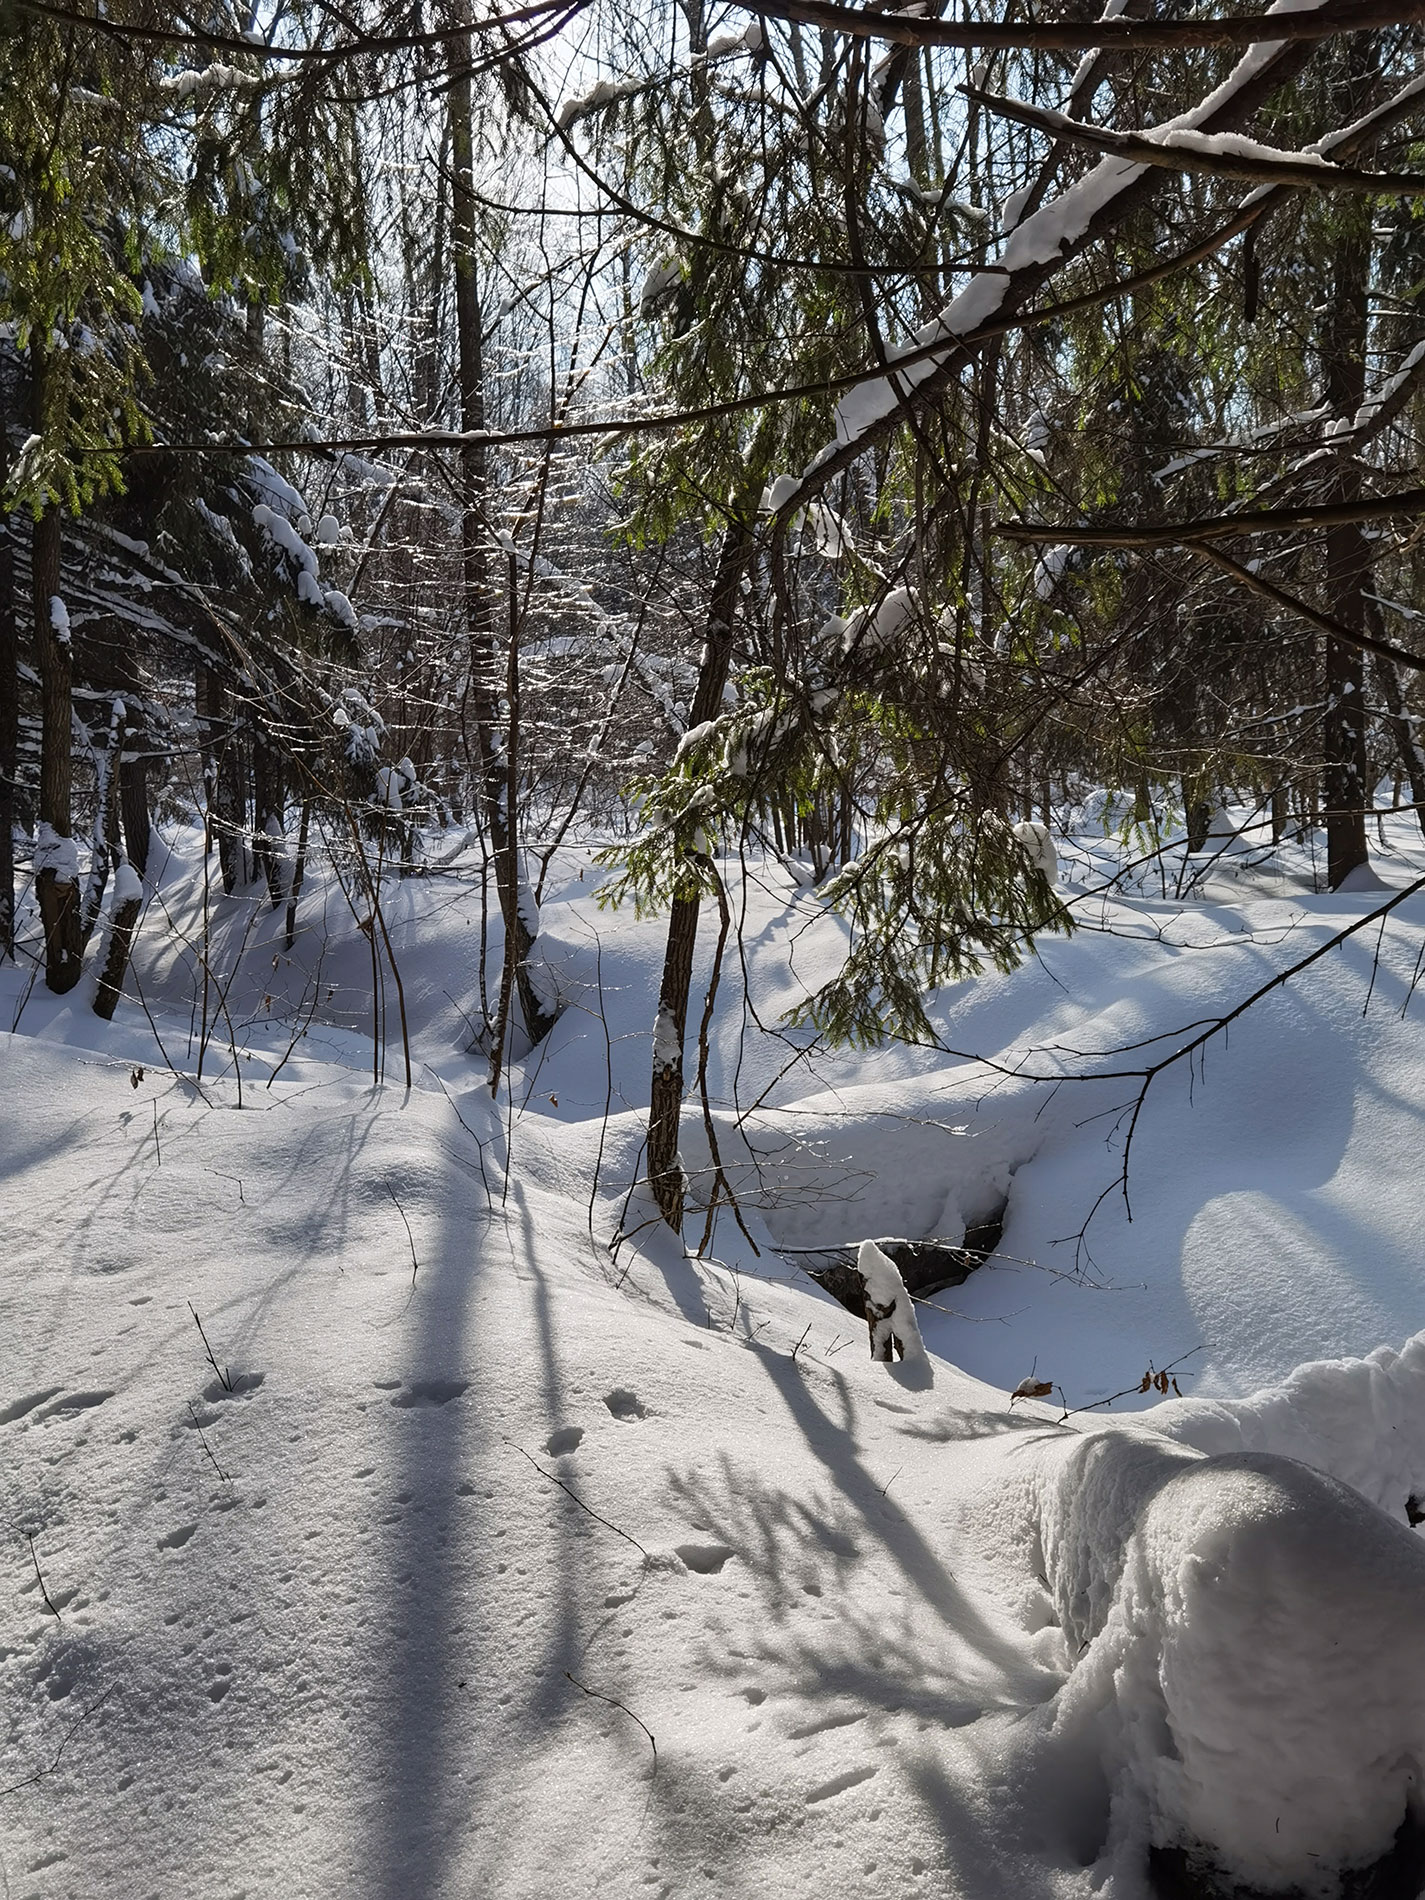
pixel 1360 1420
pixel 1253 1656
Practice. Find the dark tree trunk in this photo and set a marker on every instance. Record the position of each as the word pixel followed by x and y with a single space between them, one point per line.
pixel 1197 810
pixel 56 886
pixel 299 871
pixel 267 829
pixel 1402 727
pixel 485 673
pixel 9 733
pixel 133 804
pixel 1343 779
pixel 665 1170
pixel 222 778
pixel 116 960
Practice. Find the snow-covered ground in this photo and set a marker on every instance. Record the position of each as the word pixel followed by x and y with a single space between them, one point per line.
pixel 486 1561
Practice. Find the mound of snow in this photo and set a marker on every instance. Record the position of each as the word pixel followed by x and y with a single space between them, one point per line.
pixel 1252 1669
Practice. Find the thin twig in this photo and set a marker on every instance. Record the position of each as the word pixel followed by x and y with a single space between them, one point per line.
pixel 614 1703
pixel 40 1580
pixel 577 1499
pixel 40 1774
pixel 415 1264
pixel 206 1446
pixel 1129 1391
pixel 224 1377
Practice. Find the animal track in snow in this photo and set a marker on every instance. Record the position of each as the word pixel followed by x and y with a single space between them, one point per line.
pixel 706 1559
pixel 19 1407
pixel 843 1720
pixel 429 1392
pixel 175 1540
pixel 625 1404
pixel 568 1438
pixel 72 1403
pixel 838 1784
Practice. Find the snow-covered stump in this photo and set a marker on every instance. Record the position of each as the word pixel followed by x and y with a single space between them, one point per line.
pixel 1247 1643
pixel 890 1316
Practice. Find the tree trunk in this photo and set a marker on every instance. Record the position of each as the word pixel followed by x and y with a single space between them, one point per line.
pixel 267 829
pixel 133 803
pixel 1197 810
pixel 496 799
pixel 222 778
pixel 57 879
pixel 665 1169
pixel 9 733
pixel 299 870
pixel 104 834
pixel 1402 727
pixel 1343 779
pixel 123 923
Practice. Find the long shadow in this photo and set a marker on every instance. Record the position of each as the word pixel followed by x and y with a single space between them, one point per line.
pixel 861 1510
pixel 476 1658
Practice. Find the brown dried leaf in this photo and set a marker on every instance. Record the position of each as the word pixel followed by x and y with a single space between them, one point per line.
pixel 1032 1388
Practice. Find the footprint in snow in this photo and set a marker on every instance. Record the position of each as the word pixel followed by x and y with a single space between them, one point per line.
pixel 19 1407
pixel 175 1540
pixel 429 1392
pixel 624 1404
pixel 566 1439
pixel 706 1559
pixel 838 1784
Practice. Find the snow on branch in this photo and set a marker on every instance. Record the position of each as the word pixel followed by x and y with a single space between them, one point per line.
pixel 1089 209
pixel 1119 35
pixel 1218 154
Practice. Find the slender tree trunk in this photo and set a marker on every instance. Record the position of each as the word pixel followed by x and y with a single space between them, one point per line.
pixel 222 778
pixel 104 835
pixel 1197 809
pixel 299 870
pixel 495 789
pixel 9 731
pixel 267 830
pixel 665 1169
pixel 116 959
pixel 126 904
pixel 1402 729
pixel 1344 776
pixel 57 882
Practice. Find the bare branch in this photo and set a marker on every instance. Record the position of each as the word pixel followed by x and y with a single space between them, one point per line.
pixel 1408 504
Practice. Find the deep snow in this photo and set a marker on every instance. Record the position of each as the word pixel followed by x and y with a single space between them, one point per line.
pixel 806 1622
